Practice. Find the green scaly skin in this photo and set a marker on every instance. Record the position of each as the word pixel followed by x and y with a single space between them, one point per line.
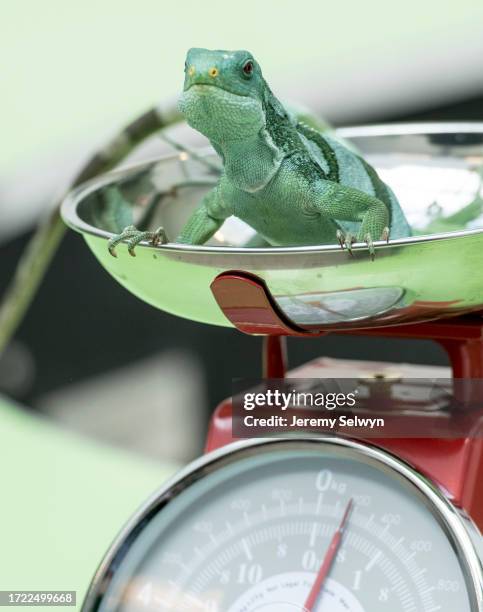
pixel 293 184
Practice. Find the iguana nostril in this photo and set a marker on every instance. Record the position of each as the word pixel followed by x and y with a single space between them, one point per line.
pixel 213 72
pixel 191 71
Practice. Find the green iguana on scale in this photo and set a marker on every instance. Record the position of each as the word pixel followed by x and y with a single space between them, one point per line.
pixel 291 183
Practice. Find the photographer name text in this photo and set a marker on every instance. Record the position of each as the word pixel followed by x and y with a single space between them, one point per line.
pixel 276 422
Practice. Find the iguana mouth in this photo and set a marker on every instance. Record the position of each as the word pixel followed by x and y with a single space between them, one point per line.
pixel 204 86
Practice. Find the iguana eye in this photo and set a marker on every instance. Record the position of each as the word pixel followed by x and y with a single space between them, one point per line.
pixel 248 68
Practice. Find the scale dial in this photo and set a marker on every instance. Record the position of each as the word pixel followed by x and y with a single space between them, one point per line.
pixel 247 528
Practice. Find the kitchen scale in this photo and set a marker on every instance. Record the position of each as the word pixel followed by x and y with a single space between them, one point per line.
pixel 314 523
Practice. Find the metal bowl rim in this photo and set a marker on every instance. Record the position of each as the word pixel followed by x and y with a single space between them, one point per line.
pixel 73 198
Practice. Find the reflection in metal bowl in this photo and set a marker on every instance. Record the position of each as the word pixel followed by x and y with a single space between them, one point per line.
pixel 434 169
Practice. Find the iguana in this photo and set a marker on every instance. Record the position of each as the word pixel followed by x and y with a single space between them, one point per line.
pixel 293 184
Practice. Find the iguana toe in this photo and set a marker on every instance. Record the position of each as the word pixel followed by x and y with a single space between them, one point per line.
pixel 345 240
pixel 159 237
pixel 117 238
pixel 370 246
pixel 132 244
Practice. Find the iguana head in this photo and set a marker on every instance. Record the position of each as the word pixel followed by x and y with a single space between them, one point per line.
pixel 223 94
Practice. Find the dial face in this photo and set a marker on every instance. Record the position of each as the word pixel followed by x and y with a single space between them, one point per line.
pixel 264 531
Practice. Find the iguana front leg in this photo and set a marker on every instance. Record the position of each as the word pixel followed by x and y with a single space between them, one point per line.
pixel 208 217
pixel 201 226
pixel 347 204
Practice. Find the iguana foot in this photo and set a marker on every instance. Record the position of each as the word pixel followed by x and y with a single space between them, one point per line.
pixel 345 240
pixel 134 237
pixel 367 238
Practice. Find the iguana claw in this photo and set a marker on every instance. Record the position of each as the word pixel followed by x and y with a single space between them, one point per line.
pixel 370 246
pixel 134 237
pixel 345 240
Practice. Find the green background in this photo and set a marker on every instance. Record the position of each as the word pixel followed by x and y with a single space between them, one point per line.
pixel 63 500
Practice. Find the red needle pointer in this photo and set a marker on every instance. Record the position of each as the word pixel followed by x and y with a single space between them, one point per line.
pixel 328 560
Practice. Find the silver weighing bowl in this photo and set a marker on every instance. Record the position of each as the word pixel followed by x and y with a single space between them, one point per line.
pixel 434 169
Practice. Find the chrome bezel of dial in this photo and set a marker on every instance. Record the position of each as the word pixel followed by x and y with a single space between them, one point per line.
pixel 458 527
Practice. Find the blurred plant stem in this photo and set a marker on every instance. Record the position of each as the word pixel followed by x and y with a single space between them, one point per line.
pixel 42 247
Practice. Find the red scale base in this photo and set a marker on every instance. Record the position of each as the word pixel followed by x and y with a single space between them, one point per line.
pixel 456 465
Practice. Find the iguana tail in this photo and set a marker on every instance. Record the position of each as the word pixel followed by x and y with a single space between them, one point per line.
pixel 42 247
